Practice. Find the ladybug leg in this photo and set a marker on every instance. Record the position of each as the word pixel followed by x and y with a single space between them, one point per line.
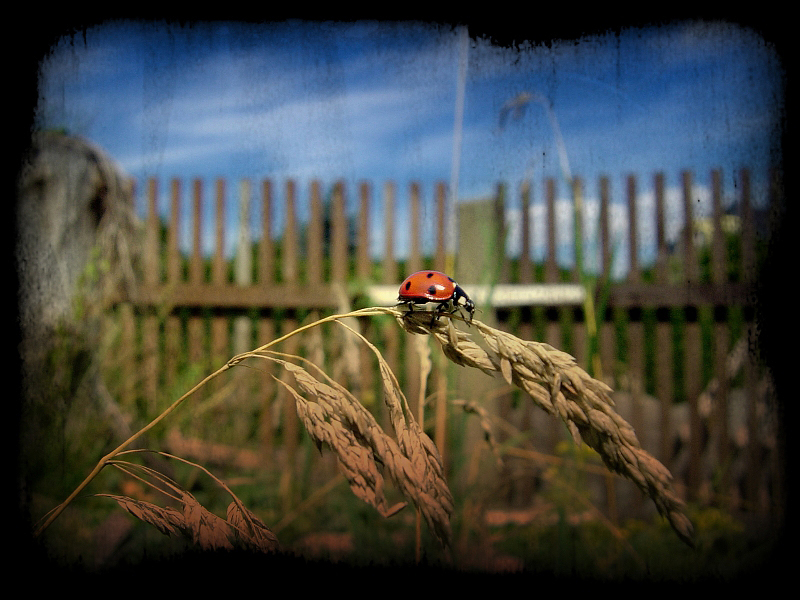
pixel 438 312
pixel 408 305
pixel 455 308
pixel 470 308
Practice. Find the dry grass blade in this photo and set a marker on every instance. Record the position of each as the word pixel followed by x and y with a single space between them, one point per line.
pixel 333 416
pixel 486 425
pixel 53 514
pixel 167 520
pixel 251 532
pixel 242 529
pixel 195 522
pixel 433 497
pixel 201 526
pixel 558 385
pixel 204 528
pixel 358 463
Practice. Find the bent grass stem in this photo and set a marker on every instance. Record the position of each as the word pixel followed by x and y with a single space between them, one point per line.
pixel 53 515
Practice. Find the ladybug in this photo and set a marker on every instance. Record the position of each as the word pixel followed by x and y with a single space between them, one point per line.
pixel 423 287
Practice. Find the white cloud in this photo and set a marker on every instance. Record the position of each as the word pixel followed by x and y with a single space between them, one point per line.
pixel 618 227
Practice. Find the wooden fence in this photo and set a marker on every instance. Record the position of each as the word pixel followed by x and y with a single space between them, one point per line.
pixel 674 347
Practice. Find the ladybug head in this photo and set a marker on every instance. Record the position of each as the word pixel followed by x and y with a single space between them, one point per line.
pixel 460 298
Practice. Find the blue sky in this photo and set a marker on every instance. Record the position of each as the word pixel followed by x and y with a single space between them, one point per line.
pixel 377 101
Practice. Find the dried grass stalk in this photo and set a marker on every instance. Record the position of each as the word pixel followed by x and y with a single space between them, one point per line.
pixel 167 520
pixel 251 531
pixel 195 523
pixel 203 528
pixel 334 417
pixel 561 388
pixel 486 425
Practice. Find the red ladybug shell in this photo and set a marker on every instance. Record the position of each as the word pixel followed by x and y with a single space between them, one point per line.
pixel 427 286
pixel 432 286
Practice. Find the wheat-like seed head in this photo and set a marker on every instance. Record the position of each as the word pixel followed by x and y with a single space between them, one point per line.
pixel 334 417
pixel 561 388
pixel 551 378
pixel 195 523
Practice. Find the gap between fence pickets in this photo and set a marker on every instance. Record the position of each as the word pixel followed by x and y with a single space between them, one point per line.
pixel 501 295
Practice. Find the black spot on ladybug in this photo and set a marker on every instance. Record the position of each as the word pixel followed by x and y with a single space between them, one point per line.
pixel 429 275
pixel 408 285
pixel 432 290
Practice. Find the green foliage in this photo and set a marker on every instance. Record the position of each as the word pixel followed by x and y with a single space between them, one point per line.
pixel 647 551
